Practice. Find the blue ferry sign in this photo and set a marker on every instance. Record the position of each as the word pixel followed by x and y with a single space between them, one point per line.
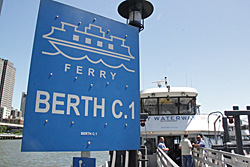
pixel 83 92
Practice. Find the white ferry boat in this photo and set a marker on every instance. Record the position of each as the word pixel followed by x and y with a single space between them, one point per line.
pixel 244 133
pixel 172 112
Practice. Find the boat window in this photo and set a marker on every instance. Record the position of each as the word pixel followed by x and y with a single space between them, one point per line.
pixel 99 43
pixel 150 106
pixel 76 37
pixel 110 46
pixel 245 138
pixel 232 138
pixel 244 127
pixel 88 40
pixel 198 110
pixel 187 105
pixel 168 105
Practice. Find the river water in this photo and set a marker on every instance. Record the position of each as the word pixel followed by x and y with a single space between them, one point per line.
pixel 11 156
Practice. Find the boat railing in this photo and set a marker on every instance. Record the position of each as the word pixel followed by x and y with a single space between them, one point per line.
pixel 143 157
pixel 204 157
pixel 121 158
pixel 163 160
pixel 116 159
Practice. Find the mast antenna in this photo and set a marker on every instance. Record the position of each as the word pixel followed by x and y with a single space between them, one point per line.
pixel 165 81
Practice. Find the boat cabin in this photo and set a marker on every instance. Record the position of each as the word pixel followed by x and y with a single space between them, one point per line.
pixel 169 101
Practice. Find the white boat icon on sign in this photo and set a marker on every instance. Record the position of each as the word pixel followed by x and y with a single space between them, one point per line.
pixel 91 40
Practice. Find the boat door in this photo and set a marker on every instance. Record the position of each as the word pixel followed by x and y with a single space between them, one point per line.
pixel 173 142
pixel 151 144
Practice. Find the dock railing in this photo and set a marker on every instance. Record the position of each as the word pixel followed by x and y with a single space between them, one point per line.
pixel 163 160
pixel 204 157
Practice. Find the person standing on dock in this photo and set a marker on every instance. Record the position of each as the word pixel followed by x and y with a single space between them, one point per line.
pixel 200 142
pixel 162 145
pixel 186 151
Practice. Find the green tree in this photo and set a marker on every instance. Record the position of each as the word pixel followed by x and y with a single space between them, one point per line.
pixel 3 129
pixel 17 132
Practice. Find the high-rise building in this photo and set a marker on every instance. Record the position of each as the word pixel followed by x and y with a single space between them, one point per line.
pixel 23 103
pixel 16 117
pixel 7 78
pixel 3 113
pixel 1 4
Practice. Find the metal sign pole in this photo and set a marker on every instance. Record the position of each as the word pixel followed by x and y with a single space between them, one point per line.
pixel 133 161
pixel 248 108
pixel 248 123
pixel 238 135
pixel 85 154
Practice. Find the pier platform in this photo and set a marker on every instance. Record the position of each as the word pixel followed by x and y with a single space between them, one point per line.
pixel 6 136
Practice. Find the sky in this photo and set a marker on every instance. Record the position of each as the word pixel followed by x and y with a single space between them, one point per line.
pixel 200 44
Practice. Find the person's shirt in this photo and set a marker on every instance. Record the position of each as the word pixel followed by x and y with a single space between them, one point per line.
pixel 162 146
pixel 201 143
pixel 186 146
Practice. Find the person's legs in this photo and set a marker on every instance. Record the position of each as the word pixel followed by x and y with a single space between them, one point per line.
pixel 184 160
pixel 190 161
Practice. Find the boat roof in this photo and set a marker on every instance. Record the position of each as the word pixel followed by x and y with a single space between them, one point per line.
pixel 172 92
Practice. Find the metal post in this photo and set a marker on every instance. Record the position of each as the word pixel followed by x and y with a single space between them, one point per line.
pixel 113 158
pixel 215 133
pixel 248 108
pixel 85 154
pixel 225 127
pixel 133 161
pixel 249 124
pixel 126 159
pixel 118 160
pixel 238 135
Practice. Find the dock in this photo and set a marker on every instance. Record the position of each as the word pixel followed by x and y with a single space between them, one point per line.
pixel 6 136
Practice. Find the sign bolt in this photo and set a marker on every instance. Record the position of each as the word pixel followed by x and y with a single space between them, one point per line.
pixel 50 74
pixel 126 86
pixel 107 83
pixel 72 122
pixel 46 120
pixel 89 143
pixel 94 19
pixel 126 124
pixel 57 16
pixel 106 124
pixel 91 85
pixel 107 31
pixel 75 77
pixel 79 23
pixel 126 36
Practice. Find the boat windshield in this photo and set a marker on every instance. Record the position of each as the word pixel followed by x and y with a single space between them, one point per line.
pixel 169 105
